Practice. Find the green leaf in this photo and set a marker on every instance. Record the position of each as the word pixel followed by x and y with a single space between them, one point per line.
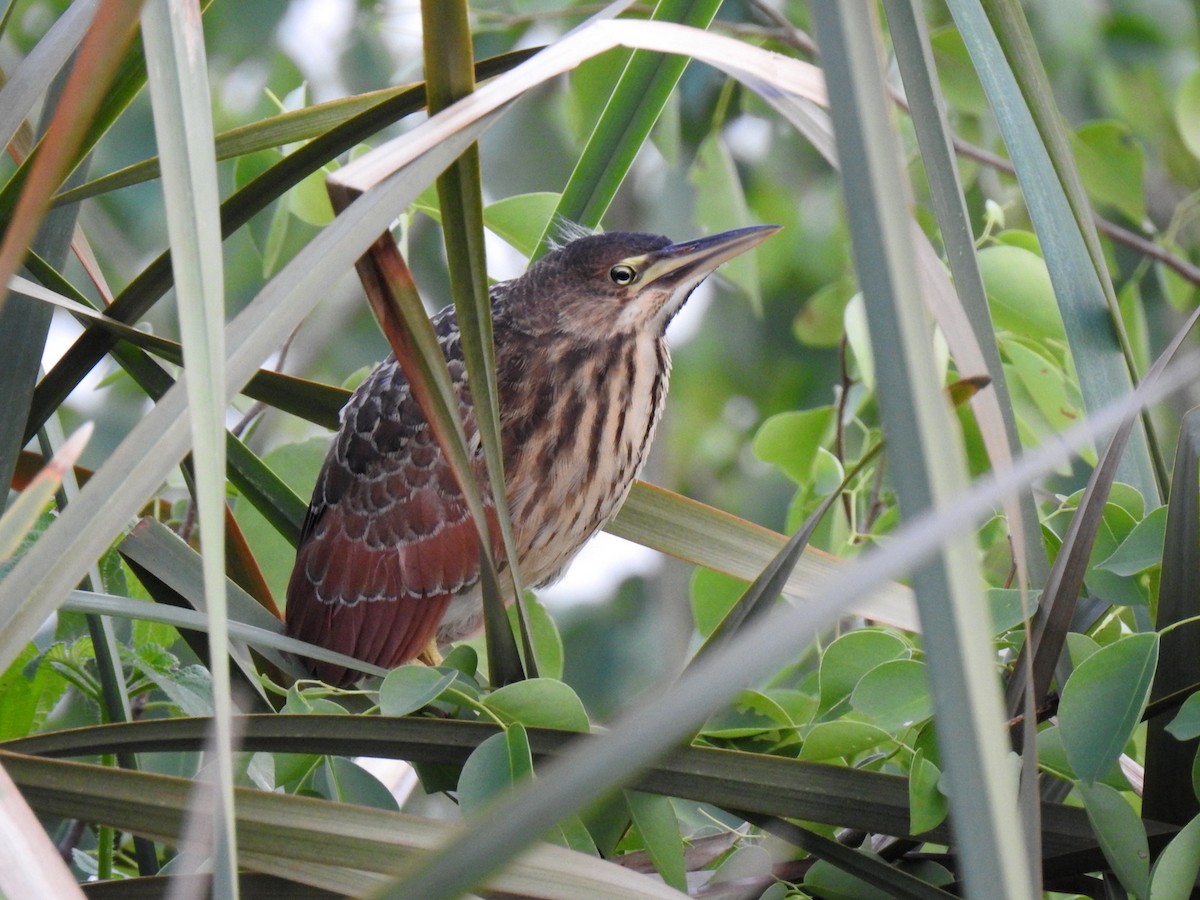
pixel 189 688
pixel 344 781
pixel 547 643
pixel 819 321
pixel 521 220
pixel 654 817
pixel 1121 835
pixel 1174 873
pixel 1187 112
pixel 959 81
pixel 746 862
pixel 1080 647
pixel 409 688
pixel 851 656
pixel 1102 703
pixel 1186 724
pixel 833 883
pixel 1045 380
pixel 1006 610
pixel 539 702
pixel 1020 295
pixel 928 804
pixel 464 658
pixel 1111 165
pixel 309 202
pixel 28 692
pixel 842 738
pixel 790 440
pixel 495 766
pixel 894 695
pixel 751 714
pixel 1141 548
pixel 720 205
pixel 713 595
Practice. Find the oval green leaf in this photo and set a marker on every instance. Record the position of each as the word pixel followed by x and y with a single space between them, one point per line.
pixel 753 713
pixel 1174 874
pixel 926 803
pixel 1121 835
pixel 1103 701
pixel 1186 724
pixel 539 703
pixel 841 738
pixel 493 768
pixel 408 688
pixel 1019 292
pixel 850 657
pixel 894 695
pixel 789 441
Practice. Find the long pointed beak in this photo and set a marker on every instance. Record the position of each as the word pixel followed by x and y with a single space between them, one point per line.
pixel 692 261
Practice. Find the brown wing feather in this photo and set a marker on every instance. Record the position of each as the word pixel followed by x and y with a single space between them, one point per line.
pixel 388 540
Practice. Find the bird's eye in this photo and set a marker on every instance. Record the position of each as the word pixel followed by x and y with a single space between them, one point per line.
pixel 623 275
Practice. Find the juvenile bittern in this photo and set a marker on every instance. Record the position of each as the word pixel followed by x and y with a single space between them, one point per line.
pixel 388 556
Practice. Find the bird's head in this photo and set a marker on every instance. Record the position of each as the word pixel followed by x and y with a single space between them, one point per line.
pixel 605 285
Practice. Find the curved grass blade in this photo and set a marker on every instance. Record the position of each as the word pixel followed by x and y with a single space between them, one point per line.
pixel 20 517
pixel 310 400
pixel 754 783
pixel 178 77
pixel 155 280
pixel 33 77
pixel 30 864
pixel 1053 618
pixel 310 123
pixel 261 634
pixel 1091 324
pixel 870 869
pixel 770 583
pixel 1168 795
pixel 636 102
pixel 705 536
pixel 87 86
pixel 914 56
pixel 449 77
pixel 283 828
pixel 925 459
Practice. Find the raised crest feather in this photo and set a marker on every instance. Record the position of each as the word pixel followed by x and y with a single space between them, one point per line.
pixel 565 230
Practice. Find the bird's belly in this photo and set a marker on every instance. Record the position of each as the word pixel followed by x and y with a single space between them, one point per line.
pixel 558 501
pixel 585 485
pixel 463 617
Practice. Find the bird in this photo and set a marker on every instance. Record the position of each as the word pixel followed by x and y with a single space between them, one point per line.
pixel 388 558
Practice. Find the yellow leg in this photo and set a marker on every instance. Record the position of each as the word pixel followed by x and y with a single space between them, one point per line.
pixel 430 655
